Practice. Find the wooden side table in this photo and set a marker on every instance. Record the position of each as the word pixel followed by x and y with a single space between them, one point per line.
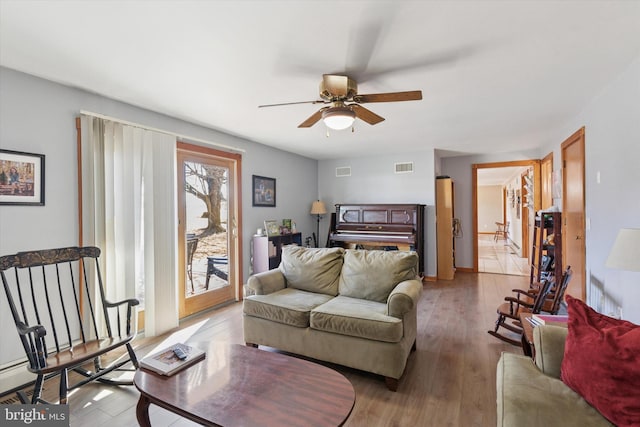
pixel 527 336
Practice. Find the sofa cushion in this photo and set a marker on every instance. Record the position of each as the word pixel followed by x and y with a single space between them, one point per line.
pixel 601 362
pixel 288 306
pixel 312 269
pixel 357 318
pixel 372 275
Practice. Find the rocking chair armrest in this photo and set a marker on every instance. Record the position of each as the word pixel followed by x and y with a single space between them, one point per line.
pixel 528 293
pixel 131 302
pixel 518 301
pixel 39 330
pixel 37 355
pixel 131 319
pixel 515 304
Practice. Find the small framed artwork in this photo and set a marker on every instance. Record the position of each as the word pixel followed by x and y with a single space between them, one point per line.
pixel 264 191
pixel 21 178
pixel 271 227
pixel 556 184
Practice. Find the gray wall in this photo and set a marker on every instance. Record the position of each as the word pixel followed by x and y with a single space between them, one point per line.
pixel 373 180
pixel 612 129
pixel 459 169
pixel 38 116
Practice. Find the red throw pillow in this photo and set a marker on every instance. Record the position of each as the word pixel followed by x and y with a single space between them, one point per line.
pixel 602 363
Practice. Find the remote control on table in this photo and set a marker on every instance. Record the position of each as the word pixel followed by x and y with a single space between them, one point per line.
pixel 180 354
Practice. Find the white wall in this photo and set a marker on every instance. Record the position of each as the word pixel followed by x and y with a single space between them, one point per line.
pixel 38 116
pixel 612 150
pixel 373 180
pixel 489 207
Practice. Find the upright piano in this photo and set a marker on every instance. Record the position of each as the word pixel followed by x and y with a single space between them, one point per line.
pixel 379 226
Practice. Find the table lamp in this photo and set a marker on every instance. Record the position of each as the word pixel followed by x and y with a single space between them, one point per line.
pixel 317 209
pixel 625 253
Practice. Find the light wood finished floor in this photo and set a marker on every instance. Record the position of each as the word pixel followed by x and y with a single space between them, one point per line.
pixel 497 257
pixel 449 380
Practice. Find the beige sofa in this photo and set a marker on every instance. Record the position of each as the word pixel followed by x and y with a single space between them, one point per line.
pixel 355 308
pixel 533 395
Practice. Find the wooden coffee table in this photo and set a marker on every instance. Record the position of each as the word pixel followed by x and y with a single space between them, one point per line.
pixel 245 386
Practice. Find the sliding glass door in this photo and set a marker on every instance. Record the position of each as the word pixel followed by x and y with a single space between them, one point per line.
pixel 207 229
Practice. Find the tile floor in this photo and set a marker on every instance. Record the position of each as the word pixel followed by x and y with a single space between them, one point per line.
pixel 496 257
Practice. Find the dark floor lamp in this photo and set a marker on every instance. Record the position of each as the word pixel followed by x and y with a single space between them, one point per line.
pixel 317 209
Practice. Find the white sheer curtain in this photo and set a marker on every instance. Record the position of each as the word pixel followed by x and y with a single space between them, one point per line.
pixel 129 211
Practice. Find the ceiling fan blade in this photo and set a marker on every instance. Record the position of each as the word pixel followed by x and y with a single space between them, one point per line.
pixel 367 34
pixel 294 103
pixel 413 95
pixel 365 114
pixel 313 119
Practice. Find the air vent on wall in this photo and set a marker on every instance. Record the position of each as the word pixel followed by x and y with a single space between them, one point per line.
pixel 406 167
pixel 343 171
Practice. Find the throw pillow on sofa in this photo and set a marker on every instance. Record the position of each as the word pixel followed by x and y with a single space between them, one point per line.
pixel 602 363
pixel 312 269
pixel 385 268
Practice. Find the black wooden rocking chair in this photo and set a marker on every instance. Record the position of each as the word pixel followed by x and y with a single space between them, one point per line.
pixel 61 325
pixel 556 294
pixel 524 302
pixel 543 297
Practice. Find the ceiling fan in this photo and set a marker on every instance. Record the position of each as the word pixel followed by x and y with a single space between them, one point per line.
pixel 341 92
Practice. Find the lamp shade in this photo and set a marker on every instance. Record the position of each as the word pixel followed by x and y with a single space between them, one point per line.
pixel 338 118
pixel 625 253
pixel 318 208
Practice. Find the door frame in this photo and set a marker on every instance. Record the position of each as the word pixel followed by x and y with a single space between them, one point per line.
pixel 546 181
pixel 534 163
pixel 234 226
pixel 578 137
pixel 525 228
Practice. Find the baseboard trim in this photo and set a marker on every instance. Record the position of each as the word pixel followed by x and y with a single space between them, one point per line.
pixel 14 378
pixel 465 269
pixel 429 279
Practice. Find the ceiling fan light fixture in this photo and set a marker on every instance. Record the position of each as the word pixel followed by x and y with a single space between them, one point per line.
pixel 338 118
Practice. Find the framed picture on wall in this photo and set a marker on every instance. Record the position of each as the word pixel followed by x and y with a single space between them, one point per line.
pixel 21 178
pixel 264 191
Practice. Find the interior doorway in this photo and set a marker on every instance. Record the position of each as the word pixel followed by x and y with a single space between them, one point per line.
pixel 573 203
pixel 504 194
pixel 208 212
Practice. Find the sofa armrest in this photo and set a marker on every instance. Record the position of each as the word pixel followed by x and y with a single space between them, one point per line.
pixel 548 341
pixel 266 282
pixel 404 298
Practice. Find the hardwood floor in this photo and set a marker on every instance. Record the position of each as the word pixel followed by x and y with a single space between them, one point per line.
pixel 449 380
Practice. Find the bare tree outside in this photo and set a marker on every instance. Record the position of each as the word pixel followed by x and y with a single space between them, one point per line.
pixel 206 182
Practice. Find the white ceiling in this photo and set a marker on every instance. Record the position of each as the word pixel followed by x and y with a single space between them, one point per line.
pixel 498 176
pixel 496 76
